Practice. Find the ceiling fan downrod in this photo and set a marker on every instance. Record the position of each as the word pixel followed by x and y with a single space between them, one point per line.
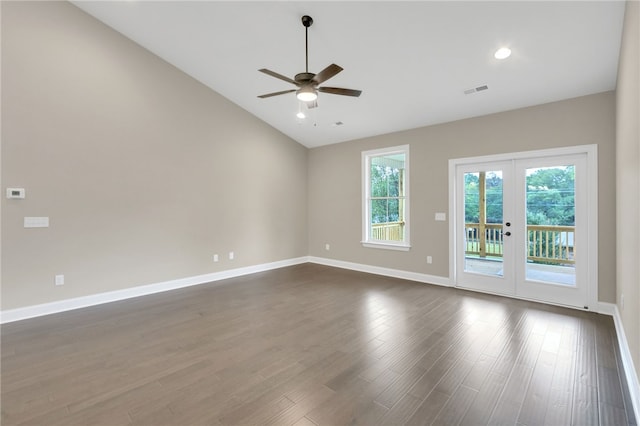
pixel 307 21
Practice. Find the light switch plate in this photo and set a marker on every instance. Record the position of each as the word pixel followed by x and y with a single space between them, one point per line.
pixel 441 216
pixel 36 222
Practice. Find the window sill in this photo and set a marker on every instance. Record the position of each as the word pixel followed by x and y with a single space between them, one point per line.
pixel 384 246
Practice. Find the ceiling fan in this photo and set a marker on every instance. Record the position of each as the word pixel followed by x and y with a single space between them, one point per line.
pixel 308 82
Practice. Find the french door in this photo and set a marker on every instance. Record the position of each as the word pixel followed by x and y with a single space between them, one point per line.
pixel 484 229
pixel 523 227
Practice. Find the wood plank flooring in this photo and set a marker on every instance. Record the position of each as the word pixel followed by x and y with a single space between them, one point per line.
pixel 313 345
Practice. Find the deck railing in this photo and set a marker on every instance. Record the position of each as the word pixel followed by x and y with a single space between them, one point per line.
pixel 547 244
pixel 551 244
pixel 388 231
pixel 483 244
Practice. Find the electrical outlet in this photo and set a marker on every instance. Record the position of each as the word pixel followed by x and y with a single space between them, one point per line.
pixel 231 255
pixel 59 280
pixel 429 260
pixel 215 258
pixel 327 247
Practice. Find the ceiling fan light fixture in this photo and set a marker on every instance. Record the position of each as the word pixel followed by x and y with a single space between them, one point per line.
pixel 307 94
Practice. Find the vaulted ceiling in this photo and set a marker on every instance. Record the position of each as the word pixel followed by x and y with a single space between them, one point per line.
pixel 412 60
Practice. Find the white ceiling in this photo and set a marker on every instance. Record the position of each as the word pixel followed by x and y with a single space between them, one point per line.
pixel 412 60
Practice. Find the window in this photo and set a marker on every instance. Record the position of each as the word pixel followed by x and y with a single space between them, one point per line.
pixel 386 198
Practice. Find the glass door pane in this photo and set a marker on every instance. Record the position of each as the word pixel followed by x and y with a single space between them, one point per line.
pixel 483 211
pixel 551 220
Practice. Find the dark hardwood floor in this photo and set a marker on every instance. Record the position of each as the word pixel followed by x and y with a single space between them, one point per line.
pixel 309 345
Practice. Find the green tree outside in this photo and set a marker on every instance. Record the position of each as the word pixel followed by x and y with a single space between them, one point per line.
pixel 550 197
pixel 385 182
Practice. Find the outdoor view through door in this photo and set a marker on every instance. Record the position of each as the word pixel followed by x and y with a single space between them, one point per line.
pixel 551 220
pixel 483 222
pixel 550 217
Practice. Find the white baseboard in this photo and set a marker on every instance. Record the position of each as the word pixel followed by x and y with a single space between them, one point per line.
pixel 387 272
pixel 627 361
pixel 606 308
pixel 127 293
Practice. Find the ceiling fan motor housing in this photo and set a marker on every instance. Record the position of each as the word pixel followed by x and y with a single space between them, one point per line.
pixel 304 77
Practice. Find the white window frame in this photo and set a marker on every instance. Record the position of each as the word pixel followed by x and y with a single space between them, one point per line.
pixel 366 190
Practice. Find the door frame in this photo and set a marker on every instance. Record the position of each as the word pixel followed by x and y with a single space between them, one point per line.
pixel 591 220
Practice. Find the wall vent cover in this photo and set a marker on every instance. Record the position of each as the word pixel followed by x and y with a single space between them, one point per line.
pixel 476 89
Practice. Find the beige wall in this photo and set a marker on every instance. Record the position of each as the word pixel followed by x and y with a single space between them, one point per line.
pixel 144 172
pixel 335 180
pixel 628 179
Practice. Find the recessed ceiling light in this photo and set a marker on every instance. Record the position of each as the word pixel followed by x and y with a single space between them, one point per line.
pixel 502 53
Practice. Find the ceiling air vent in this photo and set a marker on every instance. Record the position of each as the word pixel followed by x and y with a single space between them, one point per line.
pixel 476 89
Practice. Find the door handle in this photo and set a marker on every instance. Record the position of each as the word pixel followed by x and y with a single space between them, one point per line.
pixel 508 224
pixel 507 233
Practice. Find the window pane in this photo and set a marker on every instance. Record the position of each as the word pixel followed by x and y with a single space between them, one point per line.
pixel 387 210
pixel 394 183
pixel 379 185
pixel 387 223
pixel 386 175
pixel 394 210
pixel 379 211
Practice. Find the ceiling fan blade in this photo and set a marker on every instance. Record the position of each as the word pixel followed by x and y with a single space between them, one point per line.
pixel 340 91
pixel 268 95
pixel 276 75
pixel 326 73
